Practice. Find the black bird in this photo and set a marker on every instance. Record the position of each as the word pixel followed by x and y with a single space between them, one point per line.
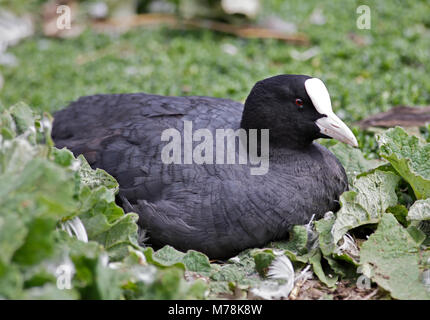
pixel 218 209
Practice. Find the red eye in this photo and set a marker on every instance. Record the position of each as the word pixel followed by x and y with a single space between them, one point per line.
pixel 299 102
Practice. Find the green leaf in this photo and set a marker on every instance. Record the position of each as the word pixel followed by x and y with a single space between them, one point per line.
pixel 296 248
pixel 263 259
pixel 169 256
pixel 353 160
pixel 326 242
pixel 93 278
pixel 330 279
pixel 38 244
pixel 169 285
pixel 95 178
pixel 15 154
pixel 12 235
pixel 372 194
pixel 50 292
pixel 197 262
pixel 409 157
pixel 340 262
pixel 63 157
pixel 400 212
pixel 42 188
pixel 165 257
pixel 123 233
pixel 104 221
pixel 420 210
pixel 196 290
pixel 416 234
pixel 390 257
pixel 342 265
pixel 7 126
pixel 23 117
pixel 115 236
pixel 107 282
pixel 239 270
pixel 297 242
pixel 11 281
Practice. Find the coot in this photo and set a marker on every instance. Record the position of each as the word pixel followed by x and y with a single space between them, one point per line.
pixel 192 187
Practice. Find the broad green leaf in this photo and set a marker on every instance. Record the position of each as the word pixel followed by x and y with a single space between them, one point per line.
pixel 240 271
pixel 169 284
pixel 197 262
pixel 42 188
pixel 297 242
pixel 297 249
pixel 77 248
pixel 94 279
pixel 50 292
pixel 12 235
pixel 328 279
pixel 104 220
pixel 15 154
pixel 369 198
pixel 38 244
pixel 121 234
pixel 41 274
pixel 11 281
pixel 353 160
pixel 325 239
pixel 197 289
pixel 341 262
pixel 400 212
pixel 343 265
pixel 63 157
pixel 95 178
pixel 107 282
pixel 391 257
pixel 7 126
pixel 409 156
pixel 416 234
pixel 97 200
pixel 263 260
pixel 23 117
pixel 420 210
pixel 168 257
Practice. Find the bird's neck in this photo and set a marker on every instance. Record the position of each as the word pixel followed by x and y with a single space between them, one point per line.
pixel 279 137
pixel 278 140
pixel 289 141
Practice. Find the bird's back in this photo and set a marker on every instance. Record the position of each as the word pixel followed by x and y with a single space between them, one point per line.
pixel 92 123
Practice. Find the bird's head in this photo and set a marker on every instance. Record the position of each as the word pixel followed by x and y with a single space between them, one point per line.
pixel 296 109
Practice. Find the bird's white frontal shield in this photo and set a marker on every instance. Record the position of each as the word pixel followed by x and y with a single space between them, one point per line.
pixel 330 124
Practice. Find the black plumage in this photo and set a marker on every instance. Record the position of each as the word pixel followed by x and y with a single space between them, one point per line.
pixel 216 209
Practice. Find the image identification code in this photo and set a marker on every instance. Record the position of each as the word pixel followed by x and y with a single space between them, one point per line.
pixel 221 309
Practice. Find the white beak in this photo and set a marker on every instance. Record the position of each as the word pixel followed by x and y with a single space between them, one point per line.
pixel 335 128
pixel 330 124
